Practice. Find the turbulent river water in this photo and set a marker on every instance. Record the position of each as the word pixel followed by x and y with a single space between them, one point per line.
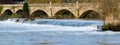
pixel 55 32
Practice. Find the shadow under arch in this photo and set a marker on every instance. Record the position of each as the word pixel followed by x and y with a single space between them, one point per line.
pixel 7 12
pixel 64 14
pixel 90 15
pixel 39 14
pixel 19 12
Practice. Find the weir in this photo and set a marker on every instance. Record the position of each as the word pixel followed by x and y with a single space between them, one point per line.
pixel 80 25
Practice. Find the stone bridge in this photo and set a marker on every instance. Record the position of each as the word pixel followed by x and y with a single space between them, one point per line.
pixel 51 9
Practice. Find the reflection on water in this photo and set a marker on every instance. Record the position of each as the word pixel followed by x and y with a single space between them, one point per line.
pixel 55 32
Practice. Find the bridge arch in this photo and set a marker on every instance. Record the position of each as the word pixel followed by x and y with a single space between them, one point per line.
pixel 90 14
pixel 39 14
pixel 7 12
pixel 64 14
pixel 19 12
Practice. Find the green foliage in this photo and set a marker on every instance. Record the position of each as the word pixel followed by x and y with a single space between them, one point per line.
pixel 15 16
pixel 25 10
pixel 1 8
pixel 9 16
pixel 26 7
pixel 111 27
pixel 108 27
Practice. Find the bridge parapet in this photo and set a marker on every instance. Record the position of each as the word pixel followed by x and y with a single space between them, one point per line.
pixel 55 4
pixel 64 4
pixel 89 4
pixel 39 5
pixel 12 4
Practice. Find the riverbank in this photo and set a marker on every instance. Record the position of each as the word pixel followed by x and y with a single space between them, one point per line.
pixel 112 23
pixel 111 27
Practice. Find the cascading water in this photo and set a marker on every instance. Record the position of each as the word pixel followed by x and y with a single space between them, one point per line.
pixel 51 24
pixel 55 32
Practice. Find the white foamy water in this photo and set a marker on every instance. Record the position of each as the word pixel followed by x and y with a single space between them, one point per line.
pixel 55 32
pixel 49 25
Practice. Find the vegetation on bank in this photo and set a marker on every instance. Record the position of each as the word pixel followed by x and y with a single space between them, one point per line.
pixel 111 27
pixel 15 16
pixel 25 7
pixel 3 17
pixel 25 10
pixel 1 8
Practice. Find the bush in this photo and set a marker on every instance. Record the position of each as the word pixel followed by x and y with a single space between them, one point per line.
pixel 15 16
pixel 1 8
pixel 108 26
pixel 25 10
pixel 25 7
pixel 111 27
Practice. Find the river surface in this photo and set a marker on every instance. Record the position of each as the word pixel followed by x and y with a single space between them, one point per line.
pixel 55 32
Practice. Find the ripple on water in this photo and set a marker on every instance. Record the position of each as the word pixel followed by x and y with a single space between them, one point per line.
pixel 55 32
